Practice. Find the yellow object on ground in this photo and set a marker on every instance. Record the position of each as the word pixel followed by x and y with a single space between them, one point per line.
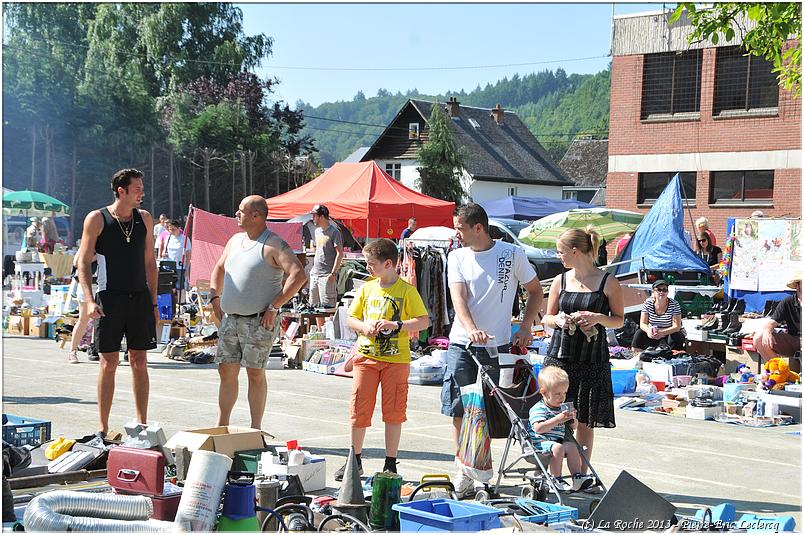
pixel 58 447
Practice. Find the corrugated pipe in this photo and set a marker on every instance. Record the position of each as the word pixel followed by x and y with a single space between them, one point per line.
pixel 64 510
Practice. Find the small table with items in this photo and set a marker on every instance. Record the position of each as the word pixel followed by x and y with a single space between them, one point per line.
pixel 307 319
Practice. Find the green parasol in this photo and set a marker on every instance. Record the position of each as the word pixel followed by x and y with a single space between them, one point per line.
pixel 33 203
pixel 607 222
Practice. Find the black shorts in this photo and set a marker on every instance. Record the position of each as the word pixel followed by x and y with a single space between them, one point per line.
pixel 126 314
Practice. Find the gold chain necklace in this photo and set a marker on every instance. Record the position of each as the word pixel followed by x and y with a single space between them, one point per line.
pixel 126 233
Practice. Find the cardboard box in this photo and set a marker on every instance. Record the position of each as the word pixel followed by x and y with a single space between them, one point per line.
pixel 33 326
pixel 325 369
pixel 736 356
pixel 293 353
pixel 313 475
pixel 18 325
pixel 225 440
pixel 703 413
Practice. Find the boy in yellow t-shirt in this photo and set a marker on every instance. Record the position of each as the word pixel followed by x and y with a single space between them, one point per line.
pixel 383 314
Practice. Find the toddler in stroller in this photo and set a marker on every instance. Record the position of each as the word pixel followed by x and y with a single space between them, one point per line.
pixel 549 419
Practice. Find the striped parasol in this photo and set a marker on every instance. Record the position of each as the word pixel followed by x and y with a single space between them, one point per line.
pixel 33 203
pixel 607 222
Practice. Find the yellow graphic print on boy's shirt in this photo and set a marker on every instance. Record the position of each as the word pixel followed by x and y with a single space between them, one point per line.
pixel 382 307
pixel 399 302
pixel 322 240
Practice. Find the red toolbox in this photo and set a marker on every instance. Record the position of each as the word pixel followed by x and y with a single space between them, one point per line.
pixel 165 507
pixel 136 471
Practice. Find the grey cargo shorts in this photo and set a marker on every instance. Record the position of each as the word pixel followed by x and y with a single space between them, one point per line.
pixel 243 339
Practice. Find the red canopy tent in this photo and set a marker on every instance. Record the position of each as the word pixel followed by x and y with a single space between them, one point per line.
pixel 366 199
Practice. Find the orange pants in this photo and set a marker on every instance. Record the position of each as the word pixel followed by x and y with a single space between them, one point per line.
pixel 368 375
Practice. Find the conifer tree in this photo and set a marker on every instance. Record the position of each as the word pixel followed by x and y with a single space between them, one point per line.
pixel 441 161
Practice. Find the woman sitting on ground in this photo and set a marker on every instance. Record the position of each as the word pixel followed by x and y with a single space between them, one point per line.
pixel 660 321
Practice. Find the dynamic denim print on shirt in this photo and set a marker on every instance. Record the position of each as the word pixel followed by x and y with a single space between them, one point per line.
pixel 505 263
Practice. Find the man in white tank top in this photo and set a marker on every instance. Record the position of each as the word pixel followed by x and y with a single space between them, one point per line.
pixel 248 286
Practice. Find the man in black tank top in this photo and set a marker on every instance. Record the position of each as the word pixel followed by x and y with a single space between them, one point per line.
pixel 126 304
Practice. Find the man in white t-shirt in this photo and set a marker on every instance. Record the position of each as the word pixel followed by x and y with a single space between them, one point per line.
pixel 483 276
pixel 160 226
pixel 175 245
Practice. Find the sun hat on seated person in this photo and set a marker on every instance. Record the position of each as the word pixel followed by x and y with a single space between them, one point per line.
pixel 659 282
pixel 794 279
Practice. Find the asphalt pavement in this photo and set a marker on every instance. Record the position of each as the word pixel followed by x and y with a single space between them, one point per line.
pixel 689 462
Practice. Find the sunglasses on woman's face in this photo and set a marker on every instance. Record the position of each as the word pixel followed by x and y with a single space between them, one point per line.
pixel 661 289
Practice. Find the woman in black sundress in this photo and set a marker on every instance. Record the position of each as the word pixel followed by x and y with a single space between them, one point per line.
pixel 583 302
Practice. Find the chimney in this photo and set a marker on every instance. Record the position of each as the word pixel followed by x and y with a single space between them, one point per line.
pixel 453 106
pixel 497 113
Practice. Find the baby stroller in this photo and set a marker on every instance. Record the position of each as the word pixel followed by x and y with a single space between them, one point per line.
pixel 514 403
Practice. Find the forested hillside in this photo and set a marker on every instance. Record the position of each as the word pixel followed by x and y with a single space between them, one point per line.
pixel 555 106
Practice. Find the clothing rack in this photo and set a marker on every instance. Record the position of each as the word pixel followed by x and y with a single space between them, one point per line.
pixel 432 286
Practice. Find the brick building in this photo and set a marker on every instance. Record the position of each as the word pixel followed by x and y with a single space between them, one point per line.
pixel 711 113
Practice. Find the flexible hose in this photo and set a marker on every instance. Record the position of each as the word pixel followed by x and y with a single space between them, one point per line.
pixel 64 510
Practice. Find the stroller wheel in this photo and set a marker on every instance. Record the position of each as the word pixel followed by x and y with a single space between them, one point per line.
pixel 527 493
pixel 592 506
pixel 541 490
pixel 482 496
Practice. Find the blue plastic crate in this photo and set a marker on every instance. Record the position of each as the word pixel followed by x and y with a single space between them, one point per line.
pixel 164 302
pixel 446 515
pixel 623 381
pixel 19 431
pixel 556 513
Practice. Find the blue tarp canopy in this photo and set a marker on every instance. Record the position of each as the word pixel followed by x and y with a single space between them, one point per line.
pixel 529 208
pixel 660 238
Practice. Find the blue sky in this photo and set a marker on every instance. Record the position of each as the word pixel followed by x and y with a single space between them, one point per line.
pixel 399 37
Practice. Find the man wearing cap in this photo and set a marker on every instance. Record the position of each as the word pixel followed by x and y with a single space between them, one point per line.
pixel 327 261
pixel 770 343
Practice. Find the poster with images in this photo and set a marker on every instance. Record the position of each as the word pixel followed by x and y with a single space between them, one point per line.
pixel 766 254
pixel 795 243
pixel 744 263
pixel 773 246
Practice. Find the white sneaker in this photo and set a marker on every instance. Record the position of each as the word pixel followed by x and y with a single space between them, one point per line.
pixel 463 485
pixel 562 485
pixel 582 482
pixel 72 357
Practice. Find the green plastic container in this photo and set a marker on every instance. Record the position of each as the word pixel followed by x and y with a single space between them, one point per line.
pixel 385 492
pixel 248 460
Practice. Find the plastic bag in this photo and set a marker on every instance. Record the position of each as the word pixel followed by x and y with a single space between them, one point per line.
pixel 474 442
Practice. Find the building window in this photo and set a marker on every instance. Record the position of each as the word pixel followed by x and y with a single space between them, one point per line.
pixel 413 130
pixel 741 187
pixel 651 185
pixel 569 195
pixel 512 191
pixel 671 83
pixel 394 169
pixel 743 82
